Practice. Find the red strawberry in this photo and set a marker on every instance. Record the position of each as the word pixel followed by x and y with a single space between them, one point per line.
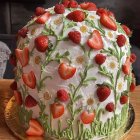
pixel 87 118
pixel 66 3
pixel 59 9
pixel 73 4
pixel 95 42
pixel 124 99
pixel 103 93
pixel 30 101
pixel 35 128
pixel 126 66
pixel 41 43
pixel 75 36
pixel 22 56
pixel 110 107
pixel 133 58
pixel 90 6
pixel 13 86
pixel 29 79
pixel 132 87
pixel 18 97
pixel 77 16
pixel 108 22
pixel 111 14
pixel 127 30
pixel 62 95
pixel 13 60
pixel 43 18
pixel 57 110
pixel 100 59
pixel 65 71
pixel 39 11
pixel 23 32
pixel 121 40
pixel 101 11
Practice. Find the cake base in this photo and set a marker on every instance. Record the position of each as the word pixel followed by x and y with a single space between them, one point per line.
pixel 12 121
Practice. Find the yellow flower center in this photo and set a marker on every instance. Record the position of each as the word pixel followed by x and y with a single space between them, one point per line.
pixel 110 34
pixel 120 85
pixel 112 65
pixel 47 96
pixel 127 43
pixel 33 31
pixel 80 59
pixel 90 101
pixel 83 29
pixel 58 21
pixel 92 17
pixel 37 59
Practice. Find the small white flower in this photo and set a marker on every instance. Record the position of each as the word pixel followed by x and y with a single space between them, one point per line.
pixel 34 31
pixel 35 60
pixel 57 24
pixel 110 35
pixel 84 30
pixel 89 102
pixel 79 61
pixel 111 64
pixel 46 96
pixel 120 85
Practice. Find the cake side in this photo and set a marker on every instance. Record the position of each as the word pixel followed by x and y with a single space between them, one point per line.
pixel 74 74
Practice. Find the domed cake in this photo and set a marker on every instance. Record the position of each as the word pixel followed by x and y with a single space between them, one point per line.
pixel 73 73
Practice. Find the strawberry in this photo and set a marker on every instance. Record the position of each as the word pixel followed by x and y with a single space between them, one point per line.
pixel 35 128
pixel 126 66
pixel 30 101
pixel 77 16
pixel 127 30
pixel 132 87
pixel 41 43
pixel 13 60
pixel 23 32
pixel 133 58
pixel 110 107
pixel 43 18
pixel 100 59
pixel 111 14
pixel 29 79
pixel 59 9
pixel 87 118
pixel 39 11
pixel 90 6
pixel 124 99
pixel 95 42
pixel 103 93
pixel 57 110
pixel 75 36
pixel 18 97
pixel 121 40
pixel 65 71
pixel 101 11
pixel 73 4
pixel 66 3
pixel 62 95
pixel 13 86
pixel 108 22
pixel 22 56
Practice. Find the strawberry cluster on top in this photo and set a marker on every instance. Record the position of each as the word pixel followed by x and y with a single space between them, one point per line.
pixel 66 71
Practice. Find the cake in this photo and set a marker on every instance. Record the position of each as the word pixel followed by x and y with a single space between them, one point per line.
pixel 73 73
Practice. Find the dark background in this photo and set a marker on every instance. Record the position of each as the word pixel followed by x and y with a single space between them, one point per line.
pixel 14 14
